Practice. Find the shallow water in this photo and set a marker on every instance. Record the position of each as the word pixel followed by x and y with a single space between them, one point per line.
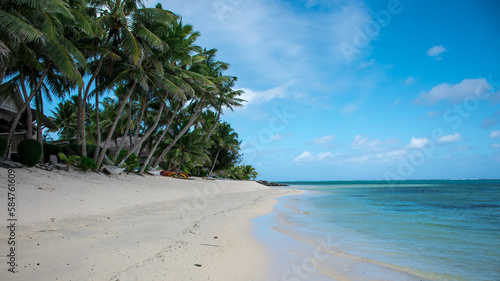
pixel 417 230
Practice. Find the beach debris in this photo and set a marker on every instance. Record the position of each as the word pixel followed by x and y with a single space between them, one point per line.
pixel 212 245
pixel 215 237
pixel 197 264
pixel 52 219
pixel 266 183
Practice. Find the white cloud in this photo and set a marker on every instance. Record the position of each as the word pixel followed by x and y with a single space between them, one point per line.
pixel 327 155
pixel 468 88
pixel 350 108
pixel 409 81
pixel 495 97
pixel 380 157
pixel 416 143
pixel 276 137
pixel 305 156
pixel 348 25
pixel 433 114
pixel 495 134
pixel 492 120
pixel 436 51
pixel 366 64
pixel 495 145
pixel 362 142
pixel 450 138
pixel 322 156
pixel 393 154
pixel 257 97
pixel 324 140
pixel 360 159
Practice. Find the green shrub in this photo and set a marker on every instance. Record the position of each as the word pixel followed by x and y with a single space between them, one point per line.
pixel 87 163
pixel 29 152
pixel 71 160
pixel 3 146
pixel 50 149
pixel 132 162
pixel 121 155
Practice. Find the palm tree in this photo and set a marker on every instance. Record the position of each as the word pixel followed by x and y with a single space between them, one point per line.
pixel 249 172
pixel 224 138
pixel 146 56
pixel 56 53
pixel 65 119
pixel 132 33
pixel 225 96
pixel 177 61
pixel 190 149
pixel 164 130
pixel 15 30
pixel 123 24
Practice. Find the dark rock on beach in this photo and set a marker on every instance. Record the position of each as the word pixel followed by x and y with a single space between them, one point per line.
pixel 268 183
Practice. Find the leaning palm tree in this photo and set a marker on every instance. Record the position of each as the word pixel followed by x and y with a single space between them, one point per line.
pixel 224 139
pixel 177 61
pixel 165 129
pixel 190 149
pixel 225 96
pixel 56 53
pixel 123 26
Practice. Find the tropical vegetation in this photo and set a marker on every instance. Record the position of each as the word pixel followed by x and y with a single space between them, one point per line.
pixel 122 71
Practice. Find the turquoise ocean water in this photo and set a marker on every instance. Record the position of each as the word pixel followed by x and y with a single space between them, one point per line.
pixel 377 230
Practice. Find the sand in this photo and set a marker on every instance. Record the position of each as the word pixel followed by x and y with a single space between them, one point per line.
pixel 88 226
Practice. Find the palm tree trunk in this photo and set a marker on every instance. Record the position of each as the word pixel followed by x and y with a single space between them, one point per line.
pixel 215 161
pixel 84 103
pixel 146 135
pixel 39 117
pixel 122 143
pixel 29 116
pixel 98 128
pixel 215 126
pixel 139 121
pixel 160 139
pixel 113 127
pixel 39 122
pixel 179 167
pixel 184 130
pixel 2 73
pixel 26 103
pixel 78 116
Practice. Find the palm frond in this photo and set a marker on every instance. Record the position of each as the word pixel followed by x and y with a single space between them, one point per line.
pixel 57 6
pixel 62 59
pixel 14 25
pixel 131 46
pixel 150 37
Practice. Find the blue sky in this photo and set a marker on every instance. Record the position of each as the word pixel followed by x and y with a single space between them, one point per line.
pixel 347 90
pixel 359 90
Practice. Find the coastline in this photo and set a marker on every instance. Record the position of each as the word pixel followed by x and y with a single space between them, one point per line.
pixel 320 236
pixel 302 254
pixel 86 226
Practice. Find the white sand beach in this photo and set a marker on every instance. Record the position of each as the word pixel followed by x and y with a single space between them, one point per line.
pixel 87 226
